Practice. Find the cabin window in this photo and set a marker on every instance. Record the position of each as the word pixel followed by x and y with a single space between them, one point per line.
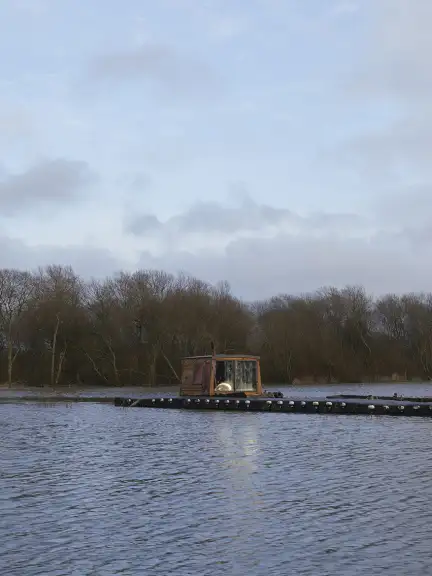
pixel 246 376
pixel 241 374
pixel 225 372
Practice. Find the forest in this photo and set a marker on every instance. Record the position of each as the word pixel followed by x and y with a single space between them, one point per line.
pixel 57 329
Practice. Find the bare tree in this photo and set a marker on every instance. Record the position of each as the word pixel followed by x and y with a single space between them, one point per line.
pixel 134 328
pixel 56 315
pixel 16 289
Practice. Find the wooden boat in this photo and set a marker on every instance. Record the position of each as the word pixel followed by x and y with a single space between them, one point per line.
pixel 233 382
pixel 231 375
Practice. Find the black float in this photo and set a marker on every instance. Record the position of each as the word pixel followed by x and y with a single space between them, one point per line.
pixel 328 405
pixel 232 382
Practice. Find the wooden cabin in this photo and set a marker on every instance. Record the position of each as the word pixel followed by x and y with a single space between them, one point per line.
pixel 221 374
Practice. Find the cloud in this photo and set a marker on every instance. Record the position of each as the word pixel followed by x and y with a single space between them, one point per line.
pixel 51 182
pixel 289 252
pixel 262 250
pixel 212 217
pixel 134 185
pixel 139 182
pixel 288 263
pixel 244 216
pixel 161 64
pixel 142 225
pixel 394 79
pixel 397 55
pixel 15 123
pixel 145 61
pixel 86 261
pixel 229 27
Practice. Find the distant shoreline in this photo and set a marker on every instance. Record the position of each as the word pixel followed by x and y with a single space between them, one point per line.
pixel 95 388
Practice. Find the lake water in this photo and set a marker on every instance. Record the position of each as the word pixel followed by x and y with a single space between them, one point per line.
pixel 90 489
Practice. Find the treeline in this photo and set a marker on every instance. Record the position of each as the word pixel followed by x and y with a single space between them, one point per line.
pixel 132 329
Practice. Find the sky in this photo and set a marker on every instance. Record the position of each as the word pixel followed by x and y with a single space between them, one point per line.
pixel 280 145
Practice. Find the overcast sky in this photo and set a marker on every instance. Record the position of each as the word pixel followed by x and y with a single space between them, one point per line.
pixel 281 145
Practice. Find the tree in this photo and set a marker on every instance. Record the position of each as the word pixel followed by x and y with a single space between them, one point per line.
pixel 16 289
pixel 129 329
pixel 56 317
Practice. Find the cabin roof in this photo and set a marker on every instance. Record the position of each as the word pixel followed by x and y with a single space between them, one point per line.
pixel 222 356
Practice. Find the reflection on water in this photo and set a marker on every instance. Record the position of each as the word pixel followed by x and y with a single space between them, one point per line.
pixel 238 444
pixel 97 490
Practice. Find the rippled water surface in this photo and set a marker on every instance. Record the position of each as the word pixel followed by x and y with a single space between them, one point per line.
pixel 90 489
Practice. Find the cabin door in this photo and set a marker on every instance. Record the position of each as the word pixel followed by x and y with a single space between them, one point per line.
pixel 196 377
pixel 206 377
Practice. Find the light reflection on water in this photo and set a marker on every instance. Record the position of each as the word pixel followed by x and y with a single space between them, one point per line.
pixel 93 489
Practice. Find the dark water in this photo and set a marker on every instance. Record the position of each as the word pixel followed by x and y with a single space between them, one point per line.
pixel 90 489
